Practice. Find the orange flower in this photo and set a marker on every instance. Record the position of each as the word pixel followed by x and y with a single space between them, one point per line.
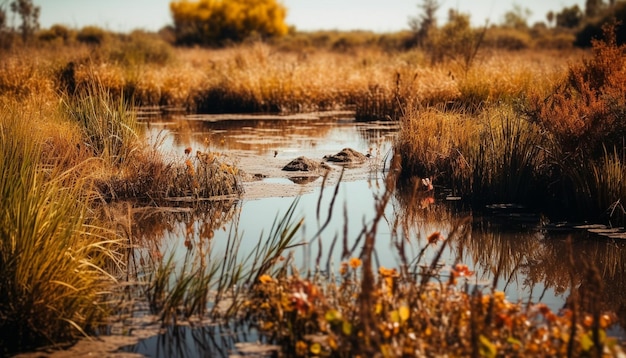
pixel 266 279
pixel 426 202
pixel 355 262
pixel 190 169
pixel 462 270
pixel 301 348
pixel 605 321
pixel 344 268
pixel 541 307
pixel 434 237
pixel 385 272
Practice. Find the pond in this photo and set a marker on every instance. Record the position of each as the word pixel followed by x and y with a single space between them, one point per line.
pixel 528 254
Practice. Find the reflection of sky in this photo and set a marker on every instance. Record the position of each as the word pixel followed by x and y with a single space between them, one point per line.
pixel 312 137
pixel 357 199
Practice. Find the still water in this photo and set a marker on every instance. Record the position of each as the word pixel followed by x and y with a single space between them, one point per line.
pixel 531 261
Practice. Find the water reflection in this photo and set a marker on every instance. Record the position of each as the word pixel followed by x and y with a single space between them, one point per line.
pixel 530 265
pixel 269 135
pixel 211 340
pixel 522 259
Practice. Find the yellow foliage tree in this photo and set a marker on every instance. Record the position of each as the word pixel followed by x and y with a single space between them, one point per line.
pixel 215 22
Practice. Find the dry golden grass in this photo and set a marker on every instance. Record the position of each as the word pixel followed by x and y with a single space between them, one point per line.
pixel 510 76
pixel 429 139
pixel 495 155
pixel 258 77
pixel 458 127
pixel 54 254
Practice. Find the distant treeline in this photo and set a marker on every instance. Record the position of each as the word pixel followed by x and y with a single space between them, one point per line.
pixel 214 23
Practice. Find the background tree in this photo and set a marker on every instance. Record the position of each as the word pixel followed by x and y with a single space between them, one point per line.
pixel 517 18
pixel 4 41
pixel 29 14
pixel 216 22
pixel 569 17
pixel 422 24
pixel 593 28
pixel 456 41
pixel 593 8
pixel 550 17
pixel 3 19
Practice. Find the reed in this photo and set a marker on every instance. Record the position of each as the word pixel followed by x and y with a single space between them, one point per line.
pixel 212 282
pixel 607 185
pixel 594 188
pixel 23 77
pixel 149 178
pixel 132 170
pixel 266 77
pixel 509 77
pixel 495 156
pixel 52 257
pixel 508 158
pixel 429 143
pixel 396 312
pixel 110 128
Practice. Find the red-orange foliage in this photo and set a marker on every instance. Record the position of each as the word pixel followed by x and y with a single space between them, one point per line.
pixel 586 111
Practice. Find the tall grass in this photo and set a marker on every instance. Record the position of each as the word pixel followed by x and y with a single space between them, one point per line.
pixel 52 257
pixel 508 158
pixel 583 113
pixel 110 128
pixel 217 283
pixel 132 170
pixel 494 156
pixel 261 77
pixel 597 186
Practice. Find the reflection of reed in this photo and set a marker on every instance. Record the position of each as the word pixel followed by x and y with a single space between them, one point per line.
pixel 147 228
pixel 262 135
pixel 529 259
pixel 212 340
pixel 606 257
pixel 534 259
pixel 376 134
pixel 499 253
pixel 419 212
pixel 150 224
pixel 435 225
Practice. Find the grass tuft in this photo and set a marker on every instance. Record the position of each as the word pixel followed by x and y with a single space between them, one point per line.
pixel 53 285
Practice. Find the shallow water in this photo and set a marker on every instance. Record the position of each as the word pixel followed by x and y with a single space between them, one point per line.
pixel 531 260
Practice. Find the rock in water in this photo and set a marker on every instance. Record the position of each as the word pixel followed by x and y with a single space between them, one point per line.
pixel 348 156
pixel 305 164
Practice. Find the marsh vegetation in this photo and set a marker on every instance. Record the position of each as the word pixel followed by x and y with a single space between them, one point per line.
pixel 539 125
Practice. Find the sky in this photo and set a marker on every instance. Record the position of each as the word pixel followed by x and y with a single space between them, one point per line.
pixel 305 15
